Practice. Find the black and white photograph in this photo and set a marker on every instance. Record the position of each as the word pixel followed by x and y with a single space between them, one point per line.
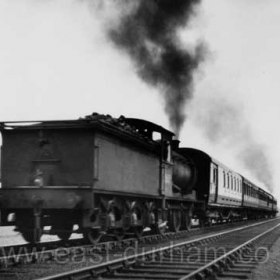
pixel 139 139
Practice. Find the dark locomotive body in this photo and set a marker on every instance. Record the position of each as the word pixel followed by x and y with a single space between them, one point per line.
pixel 113 176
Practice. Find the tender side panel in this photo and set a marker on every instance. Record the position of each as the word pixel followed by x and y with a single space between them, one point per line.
pixel 62 157
pixel 122 167
pixel 47 198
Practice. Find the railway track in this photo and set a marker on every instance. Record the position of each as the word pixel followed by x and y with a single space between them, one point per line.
pixel 15 266
pixel 14 254
pixel 17 253
pixel 228 254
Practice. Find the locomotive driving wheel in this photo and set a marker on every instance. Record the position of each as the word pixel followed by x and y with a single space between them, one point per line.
pixel 138 231
pixel 160 224
pixel 92 235
pixel 187 221
pixel 159 228
pixel 118 234
pixel 175 220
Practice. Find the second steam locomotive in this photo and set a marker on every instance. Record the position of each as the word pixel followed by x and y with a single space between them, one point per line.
pixel 115 176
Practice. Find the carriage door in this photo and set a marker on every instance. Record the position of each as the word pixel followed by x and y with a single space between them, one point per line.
pixel 213 192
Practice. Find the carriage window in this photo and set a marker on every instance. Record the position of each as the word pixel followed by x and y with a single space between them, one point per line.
pixel 214 175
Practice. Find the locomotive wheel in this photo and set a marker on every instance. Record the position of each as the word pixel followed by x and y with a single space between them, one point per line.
pixel 202 222
pixel 119 234
pixel 209 222
pixel 187 221
pixel 158 229
pixel 175 220
pixel 92 235
pixel 138 231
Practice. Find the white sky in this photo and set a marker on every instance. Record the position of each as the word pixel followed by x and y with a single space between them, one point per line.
pixel 55 62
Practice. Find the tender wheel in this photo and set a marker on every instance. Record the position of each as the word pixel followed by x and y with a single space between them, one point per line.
pixel 63 231
pixel 92 235
pixel 175 220
pixel 31 236
pixel 26 226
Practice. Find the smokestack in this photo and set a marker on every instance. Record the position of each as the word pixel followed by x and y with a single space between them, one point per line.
pixel 148 34
pixel 175 144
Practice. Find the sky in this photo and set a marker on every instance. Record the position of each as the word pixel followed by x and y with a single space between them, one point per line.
pixel 56 62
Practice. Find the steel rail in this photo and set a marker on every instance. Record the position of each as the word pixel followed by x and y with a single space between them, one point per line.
pixel 45 249
pixel 228 254
pixel 95 270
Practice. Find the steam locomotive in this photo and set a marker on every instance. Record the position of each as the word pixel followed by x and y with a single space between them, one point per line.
pixel 115 177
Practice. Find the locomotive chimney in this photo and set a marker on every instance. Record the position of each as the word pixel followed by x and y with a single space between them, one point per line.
pixel 175 144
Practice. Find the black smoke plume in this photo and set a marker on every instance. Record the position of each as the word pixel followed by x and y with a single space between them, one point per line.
pixel 149 35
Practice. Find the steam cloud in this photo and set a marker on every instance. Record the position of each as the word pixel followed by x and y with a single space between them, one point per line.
pixel 223 122
pixel 149 35
pixel 148 32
